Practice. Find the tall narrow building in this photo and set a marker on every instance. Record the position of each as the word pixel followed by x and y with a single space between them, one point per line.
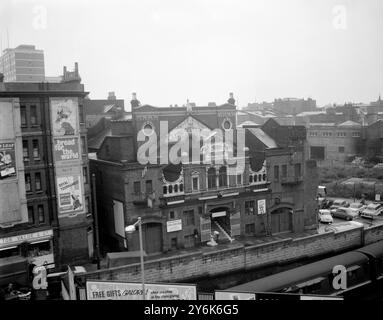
pixel 45 200
pixel 22 64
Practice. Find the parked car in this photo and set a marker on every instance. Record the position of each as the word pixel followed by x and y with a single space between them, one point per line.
pixel 345 213
pixel 372 210
pixel 338 204
pixel 357 207
pixel 325 216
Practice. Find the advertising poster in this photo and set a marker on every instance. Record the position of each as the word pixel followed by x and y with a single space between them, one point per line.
pixel 174 225
pixel 103 290
pixel 64 112
pixel 70 195
pixel 66 149
pixel 262 206
pixel 7 160
pixel 227 295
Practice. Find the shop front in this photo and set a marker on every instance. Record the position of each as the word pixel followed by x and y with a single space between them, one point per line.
pixel 34 248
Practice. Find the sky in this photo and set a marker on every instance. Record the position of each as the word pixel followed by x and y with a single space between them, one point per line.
pixel 169 51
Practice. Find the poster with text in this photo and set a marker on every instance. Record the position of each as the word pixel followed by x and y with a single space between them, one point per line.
pixel 70 195
pixel 66 149
pixel 64 112
pixel 7 160
pixel 105 290
pixel 262 206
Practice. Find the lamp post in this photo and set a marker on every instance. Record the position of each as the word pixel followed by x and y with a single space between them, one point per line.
pixel 130 229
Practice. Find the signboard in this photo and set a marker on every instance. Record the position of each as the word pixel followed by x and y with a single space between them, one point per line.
pixel 64 113
pixel 66 149
pixel 46 260
pixel 26 237
pixel 218 214
pixel 7 160
pixel 377 197
pixel 261 206
pixel 70 195
pixel 174 225
pixel 227 295
pixel 103 290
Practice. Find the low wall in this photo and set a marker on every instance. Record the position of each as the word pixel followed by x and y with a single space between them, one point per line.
pixel 188 267
pixel 373 234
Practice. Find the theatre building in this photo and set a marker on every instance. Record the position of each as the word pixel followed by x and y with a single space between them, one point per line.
pixel 44 183
pixel 182 205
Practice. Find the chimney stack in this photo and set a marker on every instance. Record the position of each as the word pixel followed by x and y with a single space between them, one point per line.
pixel 111 96
pixel 231 99
pixel 134 102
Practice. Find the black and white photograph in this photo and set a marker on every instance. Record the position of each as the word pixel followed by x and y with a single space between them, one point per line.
pixel 202 151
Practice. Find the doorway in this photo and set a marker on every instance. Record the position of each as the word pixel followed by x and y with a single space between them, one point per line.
pixel 281 220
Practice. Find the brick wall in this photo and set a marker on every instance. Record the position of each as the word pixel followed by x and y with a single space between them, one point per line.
pixel 373 234
pixel 197 265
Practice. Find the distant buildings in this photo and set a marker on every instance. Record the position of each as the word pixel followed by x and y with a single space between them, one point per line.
pixel 334 144
pixel 45 200
pixel 181 205
pixel 293 106
pixel 23 64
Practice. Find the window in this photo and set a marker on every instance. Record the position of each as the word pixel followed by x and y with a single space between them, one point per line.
pixel 85 174
pixel 170 189
pixel 284 171
pixel 189 217
pixel 173 243
pixel 222 177
pixel 313 134
pixel 249 207
pixel 239 179
pixel 23 116
pixel 164 189
pixel 172 215
pixel 250 228
pixel 297 170
pixel 137 187
pixel 36 152
pixel 327 134
pixel 31 215
pixel 81 113
pixel 28 186
pixel 25 150
pixel 251 179
pixel 211 178
pixel 83 146
pixel 176 188
pixel 341 149
pixel 87 205
pixel 195 183
pixel 33 111
pixel 40 212
pixel 149 186
pixel 38 181
pixel 356 134
pixel 276 172
pixel 341 134
pixel 181 187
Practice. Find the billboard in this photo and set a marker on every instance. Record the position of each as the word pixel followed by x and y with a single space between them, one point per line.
pixel 70 193
pixel 174 225
pixel 227 295
pixel 64 112
pixel 107 290
pixel 7 160
pixel 66 149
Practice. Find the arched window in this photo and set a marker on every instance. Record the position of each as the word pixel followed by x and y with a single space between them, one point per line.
pixel 181 187
pixel 255 178
pixel 165 189
pixel 222 177
pixel 251 178
pixel 264 177
pixel 211 178
pixel 176 188
pixel 259 177
pixel 170 189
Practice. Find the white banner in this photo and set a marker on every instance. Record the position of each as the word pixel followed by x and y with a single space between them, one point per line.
pixel 174 225
pixel 262 206
pixel 105 290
